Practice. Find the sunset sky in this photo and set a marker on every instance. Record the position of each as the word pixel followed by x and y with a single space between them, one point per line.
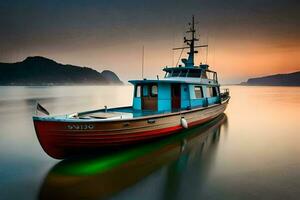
pixel 246 38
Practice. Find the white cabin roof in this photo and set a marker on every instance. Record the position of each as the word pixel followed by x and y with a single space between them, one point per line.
pixel 187 80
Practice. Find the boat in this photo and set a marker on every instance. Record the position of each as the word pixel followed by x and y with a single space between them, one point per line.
pixel 188 95
pixel 106 175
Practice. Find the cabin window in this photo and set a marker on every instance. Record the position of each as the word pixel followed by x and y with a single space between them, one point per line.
pixel 145 91
pixel 175 73
pixel 212 91
pixel 215 91
pixel 198 92
pixel 204 75
pixel 138 91
pixel 194 74
pixel 183 73
pixel 209 92
pixel 168 74
pixel 154 90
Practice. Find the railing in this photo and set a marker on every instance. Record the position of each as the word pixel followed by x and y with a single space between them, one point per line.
pixel 225 94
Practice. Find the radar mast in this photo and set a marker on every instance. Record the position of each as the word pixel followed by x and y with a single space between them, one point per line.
pixel 190 45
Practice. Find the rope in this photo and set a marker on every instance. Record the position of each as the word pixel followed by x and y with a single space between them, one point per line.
pixel 179 57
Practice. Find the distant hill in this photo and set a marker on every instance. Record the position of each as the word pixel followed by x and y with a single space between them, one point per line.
pixel 292 79
pixel 43 71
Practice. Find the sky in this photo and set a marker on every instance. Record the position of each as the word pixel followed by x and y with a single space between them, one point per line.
pixel 246 38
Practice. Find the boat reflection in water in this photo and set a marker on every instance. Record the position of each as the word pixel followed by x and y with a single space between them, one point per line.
pixel 103 176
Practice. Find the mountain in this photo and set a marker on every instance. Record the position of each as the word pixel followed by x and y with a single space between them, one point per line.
pixel 292 79
pixel 43 71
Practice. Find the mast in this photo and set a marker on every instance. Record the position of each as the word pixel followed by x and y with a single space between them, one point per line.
pixel 191 45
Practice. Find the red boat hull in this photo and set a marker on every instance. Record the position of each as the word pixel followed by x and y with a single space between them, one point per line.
pixel 61 139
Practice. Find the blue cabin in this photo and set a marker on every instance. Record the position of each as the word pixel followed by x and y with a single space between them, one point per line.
pixel 181 88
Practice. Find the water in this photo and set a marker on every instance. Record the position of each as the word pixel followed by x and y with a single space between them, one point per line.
pixel 251 152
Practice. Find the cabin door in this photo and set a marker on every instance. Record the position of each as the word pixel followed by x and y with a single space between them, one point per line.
pixel 175 94
pixel 149 97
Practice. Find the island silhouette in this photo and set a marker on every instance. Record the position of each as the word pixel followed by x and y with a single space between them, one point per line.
pixel 43 71
pixel 290 79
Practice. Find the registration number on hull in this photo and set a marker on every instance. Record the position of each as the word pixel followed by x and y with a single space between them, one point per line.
pixel 80 127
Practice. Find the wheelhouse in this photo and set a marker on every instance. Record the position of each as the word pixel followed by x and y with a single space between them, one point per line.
pixel 201 72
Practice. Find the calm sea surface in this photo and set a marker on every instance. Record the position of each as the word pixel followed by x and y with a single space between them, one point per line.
pixel 251 152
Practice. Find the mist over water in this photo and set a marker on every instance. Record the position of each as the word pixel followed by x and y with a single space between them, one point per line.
pixel 251 152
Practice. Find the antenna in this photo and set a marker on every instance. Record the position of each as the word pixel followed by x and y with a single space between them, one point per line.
pixel 172 58
pixel 214 49
pixel 143 52
pixel 206 59
pixel 173 42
